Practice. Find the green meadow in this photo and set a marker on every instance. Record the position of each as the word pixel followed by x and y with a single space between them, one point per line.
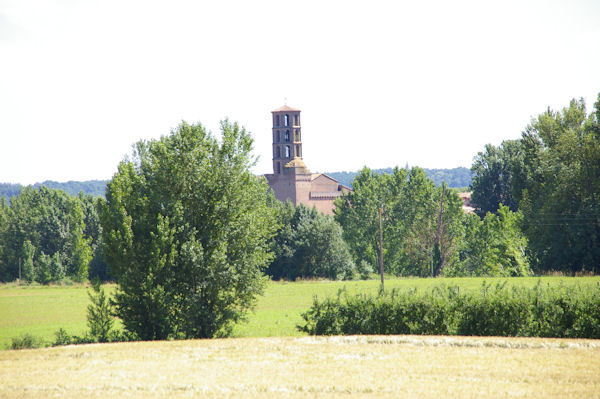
pixel 42 310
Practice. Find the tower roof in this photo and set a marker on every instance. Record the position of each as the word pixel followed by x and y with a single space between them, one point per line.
pixel 285 108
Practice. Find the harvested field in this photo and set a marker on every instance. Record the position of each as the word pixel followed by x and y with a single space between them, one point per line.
pixel 298 367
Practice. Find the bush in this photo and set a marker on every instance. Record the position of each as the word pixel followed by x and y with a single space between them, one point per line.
pixel 99 313
pixel 562 312
pixel 62 338
pixel 26 341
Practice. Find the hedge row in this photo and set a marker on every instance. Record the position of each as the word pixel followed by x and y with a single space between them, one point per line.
pixel 542 311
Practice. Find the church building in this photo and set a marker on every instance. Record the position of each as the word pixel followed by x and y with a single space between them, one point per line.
pixel 291 179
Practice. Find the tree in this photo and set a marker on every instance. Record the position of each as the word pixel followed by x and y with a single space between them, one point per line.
pixel 3 227
pixel 28 271
pixel 357 213
pixel 411 205
pixel 308 244
pixel 99 313
pixel 493 171
pixel 93 231
pixel 560 199
pixel 57 270
pixel 52 222
pixel 185 229
pixel 44 269
pixel 494 246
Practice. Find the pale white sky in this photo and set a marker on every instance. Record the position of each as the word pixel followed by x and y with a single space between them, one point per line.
pixel 379 83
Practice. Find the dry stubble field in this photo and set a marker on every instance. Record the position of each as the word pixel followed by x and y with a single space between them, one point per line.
pixel 297 367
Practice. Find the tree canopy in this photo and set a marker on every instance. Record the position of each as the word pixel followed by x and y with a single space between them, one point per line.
pixel 552 177
pixel 44 233
pixel 308 244
pixel 410 205
pixel 185 230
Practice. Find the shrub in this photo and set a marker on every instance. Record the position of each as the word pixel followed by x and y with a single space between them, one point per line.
pixel 26 341
pixel 62 338
pixel 566 312
pixel 99 313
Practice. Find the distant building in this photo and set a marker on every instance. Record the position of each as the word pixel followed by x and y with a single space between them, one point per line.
pixel 291 178
pixel 467 205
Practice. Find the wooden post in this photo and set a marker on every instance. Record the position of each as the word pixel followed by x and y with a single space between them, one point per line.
pixel 19 270
pixel 438 235
pixel 380 246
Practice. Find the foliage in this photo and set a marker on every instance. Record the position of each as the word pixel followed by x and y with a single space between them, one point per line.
pixel 93 230
pixel 493 246
pixel 560 199
pixel 411 208
pixel 43 232
pixel 61 338
pixel 185 229
pixel 552 176
pixel 41 310
pixel 498 310
pixel 26 341
pixel 99 313
pixel 493 172
pixel 308 244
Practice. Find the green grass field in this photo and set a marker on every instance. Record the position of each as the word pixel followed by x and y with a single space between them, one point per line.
pixel 41 311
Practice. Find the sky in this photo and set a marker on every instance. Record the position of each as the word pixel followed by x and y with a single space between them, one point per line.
pixel 380 83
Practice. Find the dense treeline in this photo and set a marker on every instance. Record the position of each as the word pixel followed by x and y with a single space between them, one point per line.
pixel 551 176
pixel 562 312
pixel 424 229
pixel 455 178
pixel 47 236
pixel 537 198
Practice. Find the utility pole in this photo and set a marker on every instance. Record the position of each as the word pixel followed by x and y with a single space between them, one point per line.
pixel 438 235
pixel 380 246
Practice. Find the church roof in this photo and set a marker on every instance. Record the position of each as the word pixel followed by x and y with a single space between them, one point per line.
pixel 286 108
pixel 296 163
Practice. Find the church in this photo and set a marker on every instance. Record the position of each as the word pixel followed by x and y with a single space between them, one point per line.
pixel 291 179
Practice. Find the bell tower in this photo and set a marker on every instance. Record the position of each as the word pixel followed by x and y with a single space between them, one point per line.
pixel 291 179
pixel 287 137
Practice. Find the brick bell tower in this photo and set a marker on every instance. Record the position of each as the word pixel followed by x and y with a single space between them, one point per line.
pixel 287 137
pixel 291 178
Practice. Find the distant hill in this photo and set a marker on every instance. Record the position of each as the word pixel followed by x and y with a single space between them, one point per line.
pixel 91 187
pixel 455 178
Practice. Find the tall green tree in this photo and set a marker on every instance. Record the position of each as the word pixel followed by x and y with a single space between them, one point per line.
pixel 357 213
pixel 493 174
pixel 560 199
pixel 185 230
